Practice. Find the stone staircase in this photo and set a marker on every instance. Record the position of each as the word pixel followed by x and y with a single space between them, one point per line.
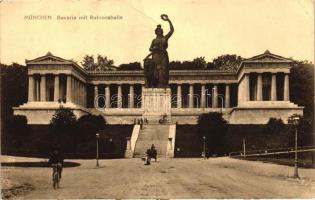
pixel 156 134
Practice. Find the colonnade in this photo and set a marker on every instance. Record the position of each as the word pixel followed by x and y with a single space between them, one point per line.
pixel 73 89
pixel 191 95
pixel 203 96
pixel 273 87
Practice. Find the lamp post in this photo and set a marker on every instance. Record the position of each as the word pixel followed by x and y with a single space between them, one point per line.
pixel 295 123
pixel 244 148
pixel 204 147
pixel 97 138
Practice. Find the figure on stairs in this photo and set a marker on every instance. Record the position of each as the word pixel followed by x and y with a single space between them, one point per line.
pixel 153 152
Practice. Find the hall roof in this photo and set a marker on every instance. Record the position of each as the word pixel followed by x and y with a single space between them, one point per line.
pixel 50 59
pixel 267 57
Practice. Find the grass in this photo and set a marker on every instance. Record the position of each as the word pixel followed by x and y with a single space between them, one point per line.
pixel 304 159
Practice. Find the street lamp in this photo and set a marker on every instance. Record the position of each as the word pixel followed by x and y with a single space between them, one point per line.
pixel 295 121
pixel 97 138
pixel 204 147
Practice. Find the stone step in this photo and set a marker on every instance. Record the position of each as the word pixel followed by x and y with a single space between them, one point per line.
pixel 152 134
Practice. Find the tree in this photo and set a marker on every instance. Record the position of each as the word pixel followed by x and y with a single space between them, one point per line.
pixel 88 63
pixel 214 127
pixel 17 131
pixel 199 63
pixel 302 86
pixel 88 126
pixel 14 84
pixel 304 130
pixel 62 130
pixel 130 66
pixel 274 126
pixel 103 63
pixel 302 93
pixel 226 62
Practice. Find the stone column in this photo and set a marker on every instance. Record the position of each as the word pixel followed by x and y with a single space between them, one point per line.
pixel 273 88
pixel 84 94
pixel 227 96
pixel 80 93
pixel 69 89
pixel 43 88
pixel 75 91
pixel 286 88
pixel 72 90
pixel 142 96
pixel 191 96
pixel 247 87
pixel 131 97
pixel 243 90
pixel 119 96
pixel 31 88
pixel 215 96
pixel 107 96
pixel 203 96
pixel 95 96
pixel 56 88
pixel 259 87
pixel 37 89
pixel 179 96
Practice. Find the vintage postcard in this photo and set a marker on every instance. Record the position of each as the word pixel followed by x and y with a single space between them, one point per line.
pixel 164 99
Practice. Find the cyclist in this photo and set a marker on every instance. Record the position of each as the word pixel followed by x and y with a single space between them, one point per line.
pixel 56 159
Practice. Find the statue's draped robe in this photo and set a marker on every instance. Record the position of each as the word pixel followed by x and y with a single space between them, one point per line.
pixel 160 62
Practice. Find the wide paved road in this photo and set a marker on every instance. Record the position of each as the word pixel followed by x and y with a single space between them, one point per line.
pixel 168 178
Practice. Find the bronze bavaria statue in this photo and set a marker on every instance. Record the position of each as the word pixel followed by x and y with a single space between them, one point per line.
pixel 156 68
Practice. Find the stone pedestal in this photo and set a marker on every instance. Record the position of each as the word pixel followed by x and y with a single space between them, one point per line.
pixel 128 152
pixel 157 104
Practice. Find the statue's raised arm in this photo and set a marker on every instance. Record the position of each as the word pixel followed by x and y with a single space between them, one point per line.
pixel 165 18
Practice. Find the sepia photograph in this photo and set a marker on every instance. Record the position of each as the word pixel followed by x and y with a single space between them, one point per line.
pixel 157 99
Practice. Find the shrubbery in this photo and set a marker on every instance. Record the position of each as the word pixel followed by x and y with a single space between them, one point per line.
pixel 88 126
pixel 70 135
pixel 214 127
pixel 274 126
pixel 17 131
pixel 62 130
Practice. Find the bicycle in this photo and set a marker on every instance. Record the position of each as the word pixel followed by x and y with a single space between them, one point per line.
pixel 56 175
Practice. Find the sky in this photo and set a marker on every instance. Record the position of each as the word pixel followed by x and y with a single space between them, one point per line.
pixel 207 28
